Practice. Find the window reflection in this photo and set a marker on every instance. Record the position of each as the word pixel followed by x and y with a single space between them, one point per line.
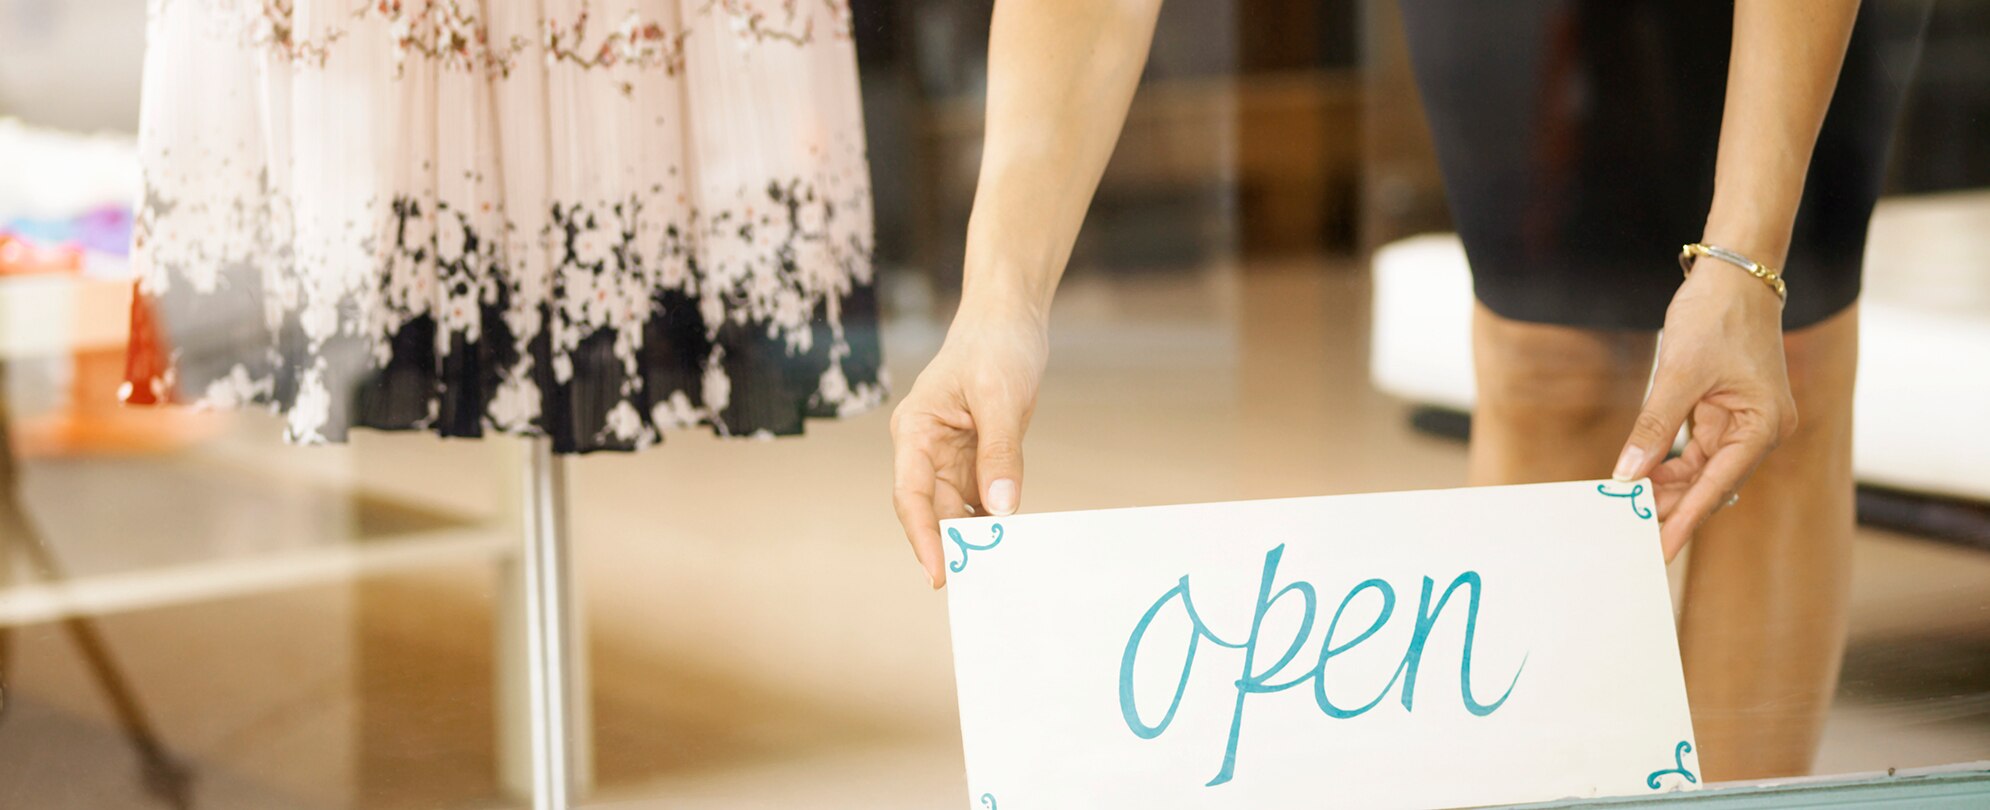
pixel 1270 298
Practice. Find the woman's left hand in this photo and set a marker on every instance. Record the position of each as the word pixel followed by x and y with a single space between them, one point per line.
pixel 1720 362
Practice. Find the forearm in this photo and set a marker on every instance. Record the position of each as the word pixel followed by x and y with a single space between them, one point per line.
pixel 1061 74
pixel 1781 74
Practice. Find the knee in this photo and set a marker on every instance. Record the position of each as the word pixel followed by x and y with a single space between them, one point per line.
pixel 1823 359
pixel 1560 377
pixel 1823 363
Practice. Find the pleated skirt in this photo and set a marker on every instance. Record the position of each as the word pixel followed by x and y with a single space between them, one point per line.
pixel 592 220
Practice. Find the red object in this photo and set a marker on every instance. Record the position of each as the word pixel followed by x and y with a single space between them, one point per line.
pixel 146 357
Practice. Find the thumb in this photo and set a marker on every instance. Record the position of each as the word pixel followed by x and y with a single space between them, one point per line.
pixel 999 465
pixel 1657 426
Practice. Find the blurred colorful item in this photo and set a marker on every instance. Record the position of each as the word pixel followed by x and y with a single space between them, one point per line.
pixel 96 243
pixel 65 297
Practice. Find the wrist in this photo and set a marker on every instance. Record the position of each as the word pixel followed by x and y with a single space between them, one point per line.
pixel 1733 289
pixel 1002 302
pixel 1761 236
pixel 1005 290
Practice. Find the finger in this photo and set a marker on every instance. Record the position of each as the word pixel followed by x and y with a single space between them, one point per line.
pixel 950 504
pixel 1657 425
pixel 912 497
pixel 998 461
pixel 1675 476
pixel 1707 433
pixel 1671 481
pixel 1681 469
pixel 1723 476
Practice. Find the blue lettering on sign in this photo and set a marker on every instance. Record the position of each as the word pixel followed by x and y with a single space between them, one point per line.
pixel 1252 681
pixel 957 566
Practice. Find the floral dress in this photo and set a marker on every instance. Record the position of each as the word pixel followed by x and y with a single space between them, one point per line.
pixel 590 220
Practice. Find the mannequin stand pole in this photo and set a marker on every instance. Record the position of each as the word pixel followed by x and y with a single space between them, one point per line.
pixel 550 631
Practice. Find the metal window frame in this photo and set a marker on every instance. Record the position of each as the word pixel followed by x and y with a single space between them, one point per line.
pixel 1963 787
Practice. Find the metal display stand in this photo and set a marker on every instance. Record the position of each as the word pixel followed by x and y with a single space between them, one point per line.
pixel 549 613
pixel 548 755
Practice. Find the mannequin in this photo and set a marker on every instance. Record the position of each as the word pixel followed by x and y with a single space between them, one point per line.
pixel 584 222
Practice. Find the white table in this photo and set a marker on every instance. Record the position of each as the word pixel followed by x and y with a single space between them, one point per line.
pixel 48 316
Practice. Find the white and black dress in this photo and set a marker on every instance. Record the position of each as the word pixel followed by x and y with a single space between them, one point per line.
pixel 591 220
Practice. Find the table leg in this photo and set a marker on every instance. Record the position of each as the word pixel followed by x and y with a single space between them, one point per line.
pixel 165 779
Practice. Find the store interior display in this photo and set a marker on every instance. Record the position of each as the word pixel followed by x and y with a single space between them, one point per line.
pixel 564 262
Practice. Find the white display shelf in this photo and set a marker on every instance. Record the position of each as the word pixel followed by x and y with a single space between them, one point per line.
pixel 224 578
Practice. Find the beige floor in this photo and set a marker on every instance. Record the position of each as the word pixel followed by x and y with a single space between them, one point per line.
pixel 760 636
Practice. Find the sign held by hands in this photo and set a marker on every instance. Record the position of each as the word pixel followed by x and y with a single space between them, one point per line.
pixel 1415 649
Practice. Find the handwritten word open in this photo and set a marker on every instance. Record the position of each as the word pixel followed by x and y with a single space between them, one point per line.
pixel 1253 681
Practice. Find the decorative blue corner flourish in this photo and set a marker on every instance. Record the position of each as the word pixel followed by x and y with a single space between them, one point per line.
pixel 1636 490
pixel 961 564
pixel 1678 766
pixel 988 799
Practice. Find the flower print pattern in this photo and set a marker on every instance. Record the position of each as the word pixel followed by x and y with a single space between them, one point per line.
pixel 515 222
pixel 636 42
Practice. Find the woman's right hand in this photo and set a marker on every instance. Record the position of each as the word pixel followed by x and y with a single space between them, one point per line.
pixel 957 437
pixel 1061 74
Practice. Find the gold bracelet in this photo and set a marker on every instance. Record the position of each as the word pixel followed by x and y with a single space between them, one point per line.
pixel 1767 274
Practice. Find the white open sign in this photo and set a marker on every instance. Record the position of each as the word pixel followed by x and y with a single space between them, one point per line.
pixel 1414 649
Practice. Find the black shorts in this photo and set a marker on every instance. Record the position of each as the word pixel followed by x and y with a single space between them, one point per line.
pixel 1577 140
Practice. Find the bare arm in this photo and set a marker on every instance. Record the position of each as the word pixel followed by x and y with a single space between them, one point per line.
pixel 1721 360
pixel 1781 74
pixel 1061 74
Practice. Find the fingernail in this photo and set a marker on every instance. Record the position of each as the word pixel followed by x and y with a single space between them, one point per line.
pixel 1628 463
pixel 1002 497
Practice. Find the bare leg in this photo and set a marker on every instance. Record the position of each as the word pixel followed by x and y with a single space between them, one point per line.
pixel 1764 620
pixel 1554 402
pixel 1766 584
